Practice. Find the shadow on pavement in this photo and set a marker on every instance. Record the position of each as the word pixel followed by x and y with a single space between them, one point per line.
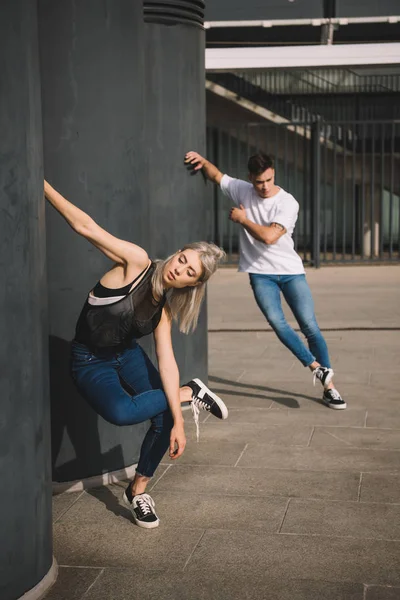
pixel 287 401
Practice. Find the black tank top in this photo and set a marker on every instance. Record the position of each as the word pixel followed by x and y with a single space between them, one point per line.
pixel 112 327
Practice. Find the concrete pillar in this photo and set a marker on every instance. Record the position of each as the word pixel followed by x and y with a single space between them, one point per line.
pixel 25 499
pixel 122 102
pixel 175 123
pixel 93 105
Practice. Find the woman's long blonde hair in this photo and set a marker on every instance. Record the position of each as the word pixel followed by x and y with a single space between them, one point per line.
pixel 183 304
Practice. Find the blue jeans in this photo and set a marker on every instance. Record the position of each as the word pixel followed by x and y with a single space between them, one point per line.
pixel 267 292
pixel 99 380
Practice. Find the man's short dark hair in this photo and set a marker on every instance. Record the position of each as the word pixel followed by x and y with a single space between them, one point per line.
pixel 260 162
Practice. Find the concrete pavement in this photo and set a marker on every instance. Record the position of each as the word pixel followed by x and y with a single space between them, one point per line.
pixel 287 499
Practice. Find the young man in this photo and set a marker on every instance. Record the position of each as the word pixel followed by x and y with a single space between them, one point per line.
pixel 267 216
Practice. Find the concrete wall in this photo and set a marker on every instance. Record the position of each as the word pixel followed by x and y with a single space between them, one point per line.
pixel 25 499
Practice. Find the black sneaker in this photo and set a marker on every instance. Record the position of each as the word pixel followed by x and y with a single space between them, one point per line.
pixel 142 507
pixel 324 374
pixel 333 399
pixel 204 399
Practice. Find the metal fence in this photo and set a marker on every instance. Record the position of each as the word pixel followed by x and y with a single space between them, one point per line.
pixel 345 176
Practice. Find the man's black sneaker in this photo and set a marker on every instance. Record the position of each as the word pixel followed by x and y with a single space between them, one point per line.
pixel 333 399
pixel 324 374
pixel 204 399
pixel 142 507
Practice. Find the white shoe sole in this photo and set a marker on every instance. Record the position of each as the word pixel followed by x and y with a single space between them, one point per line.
pixel 217 399
pixel 137 522
pixel 334 406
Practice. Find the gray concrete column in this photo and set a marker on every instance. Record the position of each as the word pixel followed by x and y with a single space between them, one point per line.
pixel 25 499
pixel 93 103
pixel 175 123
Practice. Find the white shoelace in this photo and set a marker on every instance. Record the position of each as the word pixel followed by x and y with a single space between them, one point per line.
pixel 334 394
pixel 196 412
pixel 145 503
pixel 317 375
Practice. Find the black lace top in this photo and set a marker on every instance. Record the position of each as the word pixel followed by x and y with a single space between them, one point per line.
pixel 112 327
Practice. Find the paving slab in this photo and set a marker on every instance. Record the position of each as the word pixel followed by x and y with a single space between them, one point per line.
pixel 380 487
pixel 375 592
pixel 262 482
pixel 320 458
pixel 63 502
pixel 232 585
pixel 384 418
pixel 73 582
pixel 226 431
pixel 345 519
pixel 210 453
pixel 123 544
pixel 276 416
pixel 355 437
pixel 299 556
pixel 189 509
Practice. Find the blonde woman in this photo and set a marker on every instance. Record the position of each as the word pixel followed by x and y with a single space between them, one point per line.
pixel 136 297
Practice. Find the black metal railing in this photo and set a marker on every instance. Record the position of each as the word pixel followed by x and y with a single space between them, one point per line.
pixel 345 175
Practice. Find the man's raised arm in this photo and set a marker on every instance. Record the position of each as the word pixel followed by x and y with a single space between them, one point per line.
pixel 197 162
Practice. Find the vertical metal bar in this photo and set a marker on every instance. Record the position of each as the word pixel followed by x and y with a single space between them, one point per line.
pixel 325 187
pixel 334 195
pixel 296 233
pixel 354 193
pixel 391 192
pixel 396 134
pixel 220 197
pixel 285 158
pixel 230 170
pixel 315 191
pixel 305 198
pixel 381 231
pixel 215 187
pixel 362 211
pixel 344 194
pixel 372 192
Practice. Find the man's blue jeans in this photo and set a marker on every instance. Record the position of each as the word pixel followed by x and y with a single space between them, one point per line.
pixel 267 292
pixel 99 380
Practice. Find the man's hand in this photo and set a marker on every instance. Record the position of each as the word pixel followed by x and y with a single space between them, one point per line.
pixel 177 441
pixel 238 215
pixel 194 161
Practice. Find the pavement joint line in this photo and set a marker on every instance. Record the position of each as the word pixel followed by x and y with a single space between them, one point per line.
pixel 325 501
pixel 82 567
pixel 345 537
pixel 359 488
pixel 296 470
pixel 93 582
pixel 311 436
pixel 159 478
pixel 241 454
pixel 284 516
pixel 194 549
pixel 366 418
pixel 335 437
pixel 70 506
pixel 240 376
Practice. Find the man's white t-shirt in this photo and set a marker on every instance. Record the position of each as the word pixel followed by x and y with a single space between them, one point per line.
pixel 256 257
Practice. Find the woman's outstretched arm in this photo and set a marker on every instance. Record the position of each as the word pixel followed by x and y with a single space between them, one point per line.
pixel 117 250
